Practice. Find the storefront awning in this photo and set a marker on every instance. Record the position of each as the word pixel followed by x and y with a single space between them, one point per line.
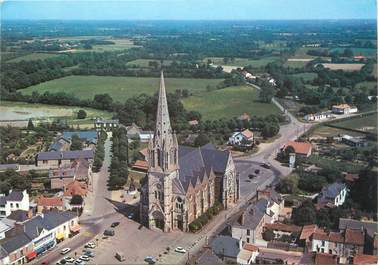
pixel 59 236
pixel 31 255
pixel 75 228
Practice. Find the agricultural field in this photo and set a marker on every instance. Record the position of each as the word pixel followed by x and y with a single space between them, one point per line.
pixel 229 102
pixel 144 63
pixel 120 88
pixel 32 57
pixel 344 66
pixel 241 62
pixel 370 52
pixel 305 76
pixel 366 123
pixel 296 64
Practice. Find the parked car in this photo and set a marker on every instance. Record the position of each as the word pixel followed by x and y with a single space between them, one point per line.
pixel 61 262
pixel 150 260
pixel 65 251
pixel 79 262
pixel 89 253
pixel 180 250
pixel 247 180
pixel 69 259
pixel 130 216
pixel 109 232
pixel 115 224
pixel 120 256
pixel 264 165
pixel 251 176
pixel 90 245
pixel 84 258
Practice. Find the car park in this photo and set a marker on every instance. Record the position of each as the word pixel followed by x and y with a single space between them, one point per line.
pixel 69 259
pixel 89 253
pixel 65 251
pixel 180 250
pixel 84 258
pixel 115 224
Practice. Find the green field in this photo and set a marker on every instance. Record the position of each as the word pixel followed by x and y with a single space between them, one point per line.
pixel 32 57
pixel 366 123
pixel 229 102
pixel 306 76
pixel 241 62
pixel 143 63
pixel 119 88
pixel 358 51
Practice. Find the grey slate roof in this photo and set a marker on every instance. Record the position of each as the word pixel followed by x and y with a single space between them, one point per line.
pixel 14 243
pixel 16 196
pixel 371 227
pixel 4 167
pixel 253 215
pixel 19 216
pixel 88 154
pixel 225 246
pixel 209 258
pixel 196 163
pixel 331 191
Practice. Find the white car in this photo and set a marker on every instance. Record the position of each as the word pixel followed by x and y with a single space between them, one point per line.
pixel 90 245
pixel 79 262
pixel 65 251
pixel 180 250
pixel 69 259
pixel 84 258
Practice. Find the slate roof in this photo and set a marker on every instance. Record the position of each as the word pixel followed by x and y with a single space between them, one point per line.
pixel 87 135
pixel 209 258
pixel 14 243
pixel 16 196
pixel 19 216
pixel 225 246
pixel 371 227
pixel 253 215
pixel 88 154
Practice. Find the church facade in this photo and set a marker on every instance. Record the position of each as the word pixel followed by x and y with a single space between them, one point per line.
pixel 183 182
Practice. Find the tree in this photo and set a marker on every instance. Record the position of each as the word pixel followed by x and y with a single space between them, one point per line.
pixel 270 130
pixel 201 140
pixel 30 125
pixel 304 214
pixel 268 235
pixel 76 143
pixel 77 200
pixel 364 191
pixel 288 184
pixel 81 114
pixel 267 92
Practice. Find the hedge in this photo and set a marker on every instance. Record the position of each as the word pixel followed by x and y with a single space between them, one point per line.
pixel 202 220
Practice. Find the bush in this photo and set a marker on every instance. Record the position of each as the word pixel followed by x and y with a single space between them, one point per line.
pixel 81 114
pixel 268 235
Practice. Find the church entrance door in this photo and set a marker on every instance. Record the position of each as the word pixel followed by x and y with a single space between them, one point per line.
pixel 159 219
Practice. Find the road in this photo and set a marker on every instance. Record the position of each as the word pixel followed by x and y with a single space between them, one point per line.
pixel 99 213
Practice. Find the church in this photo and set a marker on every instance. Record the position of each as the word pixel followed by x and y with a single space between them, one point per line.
pixel 183 182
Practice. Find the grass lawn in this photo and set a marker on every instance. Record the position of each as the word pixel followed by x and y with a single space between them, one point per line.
pixel 120 88
pixel 306 76
pixel 365 123
pixel 241 62
pixel 32 57
pixel 23 111
pixel 229 102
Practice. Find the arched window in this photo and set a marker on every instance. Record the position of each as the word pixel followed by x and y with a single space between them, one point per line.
pixel 159 158
pixel 179 203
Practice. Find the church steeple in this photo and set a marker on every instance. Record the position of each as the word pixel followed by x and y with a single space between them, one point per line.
pixel 163 147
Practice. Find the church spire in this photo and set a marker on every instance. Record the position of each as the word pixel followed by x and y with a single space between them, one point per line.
pixel 163 124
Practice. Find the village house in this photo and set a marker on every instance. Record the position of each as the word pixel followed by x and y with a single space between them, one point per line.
pixel 318 116
pixel 107 125
pixel 344 109
pixel 76 188
pixel 280 229
pixel 135 132
pixel 13 250
pixel 278 256
pixel 332 195
pixel 244 138
pixel 248 76
pixel 49 203
pixel 60 144
pixel 58 159
pixel 20 216
pixel 144 154
pixel 15 200
pixel 302 149
pixel 225 247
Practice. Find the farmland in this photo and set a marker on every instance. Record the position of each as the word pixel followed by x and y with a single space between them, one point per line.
pixel 305 76
pixel 144 63
pixel 119 88
pixel 366 123
pixel 229 102
pixel 359 51
pixel 32 57
pixel 241 62
pixel 344 66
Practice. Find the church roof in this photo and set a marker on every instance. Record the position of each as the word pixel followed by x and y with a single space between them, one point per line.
pixel 197 162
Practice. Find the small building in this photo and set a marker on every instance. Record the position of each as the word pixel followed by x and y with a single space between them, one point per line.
pixel 107 125
pixel 344 109
pixel 247 254
pixel 272 81
pixel 49 203
pixel 244 138
pixel 5 167
pixel 332 195
pixel 353 141
pixel 140 165
pixel 60 144
pixel 145 136
pixel 248 76
pixel 57 159
pixel 76 188
pixel 20 216
pixel 318 116
pixel 15 200
pixel 302 149
pixel 225 247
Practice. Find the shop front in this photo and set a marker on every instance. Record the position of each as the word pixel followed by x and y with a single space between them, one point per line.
pixel 74 230
pixel 45 243
pixel 59 237
pixel 31 255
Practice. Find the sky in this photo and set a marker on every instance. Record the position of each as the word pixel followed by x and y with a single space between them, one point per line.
pixel 188 9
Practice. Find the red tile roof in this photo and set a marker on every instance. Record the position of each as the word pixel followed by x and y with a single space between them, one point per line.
pixel 76 188
pixel 307 231
pixel 284 227
pixel 247 133
pixel 49 202
pixel 336 237
pixel 250 247
pixel 320 236
pixel 325 259
pixel 144 152
pixel 299 147
pixel 365 259
pixel 354 236
pixel 141 165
